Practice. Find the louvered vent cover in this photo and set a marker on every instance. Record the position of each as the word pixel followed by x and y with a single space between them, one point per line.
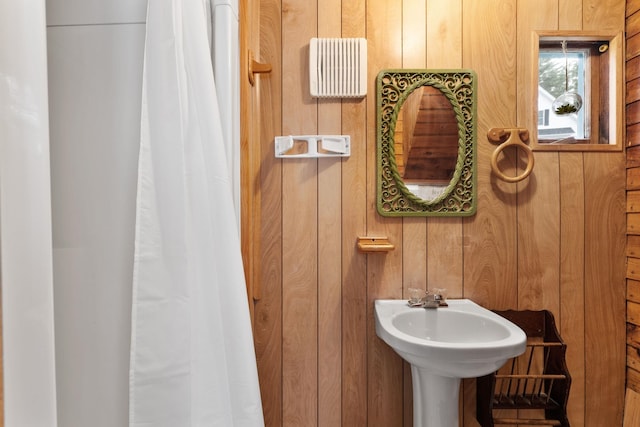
pixel 338 67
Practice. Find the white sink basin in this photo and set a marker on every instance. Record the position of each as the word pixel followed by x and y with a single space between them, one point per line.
pixel 462 340
pixel 444 345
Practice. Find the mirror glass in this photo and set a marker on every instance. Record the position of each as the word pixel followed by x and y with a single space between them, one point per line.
pixel 426 143
pixel 578 90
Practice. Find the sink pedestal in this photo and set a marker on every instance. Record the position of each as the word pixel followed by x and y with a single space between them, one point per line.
pixel 435 399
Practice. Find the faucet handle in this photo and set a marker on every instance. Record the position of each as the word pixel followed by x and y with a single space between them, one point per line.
pixel 417 297
pixel 440 296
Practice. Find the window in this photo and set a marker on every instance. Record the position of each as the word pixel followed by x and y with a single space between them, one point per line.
pixel 543 117
pixel 578 68
pixel 562 72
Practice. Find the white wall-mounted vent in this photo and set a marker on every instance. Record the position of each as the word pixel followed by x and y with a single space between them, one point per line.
pixel 338 67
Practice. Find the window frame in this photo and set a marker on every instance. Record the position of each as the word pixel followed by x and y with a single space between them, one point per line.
pixel 605 95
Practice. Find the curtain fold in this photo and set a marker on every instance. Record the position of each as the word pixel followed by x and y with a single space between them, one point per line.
pixel 192 356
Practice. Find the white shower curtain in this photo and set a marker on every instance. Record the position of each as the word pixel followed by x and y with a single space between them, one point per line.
pixel 192 356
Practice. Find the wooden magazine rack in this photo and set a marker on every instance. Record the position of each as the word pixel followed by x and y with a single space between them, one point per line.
pixel 531 389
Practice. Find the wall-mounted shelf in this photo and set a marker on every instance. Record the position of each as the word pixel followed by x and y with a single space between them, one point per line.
pixel 375 244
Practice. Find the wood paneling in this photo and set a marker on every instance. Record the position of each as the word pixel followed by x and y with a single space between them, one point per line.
pixel 632 7
pixel 604 265
pixel 354 265
pixel 329 247
pixel 384 272
pixel 632 404
pixel 300 231
pixel 572 277
pixel 604 272
pixel 268 311
pixel 632 409
pixel 553 241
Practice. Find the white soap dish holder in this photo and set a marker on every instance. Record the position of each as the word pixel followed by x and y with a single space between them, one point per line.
pixel 314 146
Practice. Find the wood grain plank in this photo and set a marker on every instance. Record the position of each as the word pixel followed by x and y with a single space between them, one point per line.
pixel 633 47
pixel 633 291
pixel 444 255
pixel 604 273
pixel 633 201
pixel 609 16
pixel 633 241
pixel 330 213
pixel 329 283
pixel 632 24
pixel 633 179
pixel 633 135
pixel 632 69
pixel 633 113
pixel 633 358
pixel 539 252
pixel 633 313
pixel 603 14
pixel 632 409
pixel 268 310
pixel 384 272
pixel 632 6
pixel 300 227
pixel 633 335
pixel 633 223
pixel 633 380
pixel 632 91
pixel 300 299
pixel 572 316
pixel 633 157
pixel 354 282
pixel 633 246
pixel 633 268
pixel 444 34
pixel 570 15
pixel 532 16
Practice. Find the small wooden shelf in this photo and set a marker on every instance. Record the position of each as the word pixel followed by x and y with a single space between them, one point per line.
pixel 375 244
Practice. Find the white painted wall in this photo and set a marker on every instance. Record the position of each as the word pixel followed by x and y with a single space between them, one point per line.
pixel 95 54
pixel 25 218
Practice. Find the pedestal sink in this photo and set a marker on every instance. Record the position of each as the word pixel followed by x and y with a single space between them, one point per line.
pixel 443 345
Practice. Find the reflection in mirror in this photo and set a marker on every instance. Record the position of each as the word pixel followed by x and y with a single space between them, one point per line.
pixel 426 143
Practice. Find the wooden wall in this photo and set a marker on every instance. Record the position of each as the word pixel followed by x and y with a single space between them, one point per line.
pixel 554 241
pixel 633 202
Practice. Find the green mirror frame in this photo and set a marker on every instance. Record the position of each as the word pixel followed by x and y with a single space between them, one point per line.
pixel 459 198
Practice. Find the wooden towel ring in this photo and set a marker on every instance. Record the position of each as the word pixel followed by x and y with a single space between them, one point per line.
pixel 514 137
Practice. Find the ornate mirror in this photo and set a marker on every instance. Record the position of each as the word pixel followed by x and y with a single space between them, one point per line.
pixel 426 142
